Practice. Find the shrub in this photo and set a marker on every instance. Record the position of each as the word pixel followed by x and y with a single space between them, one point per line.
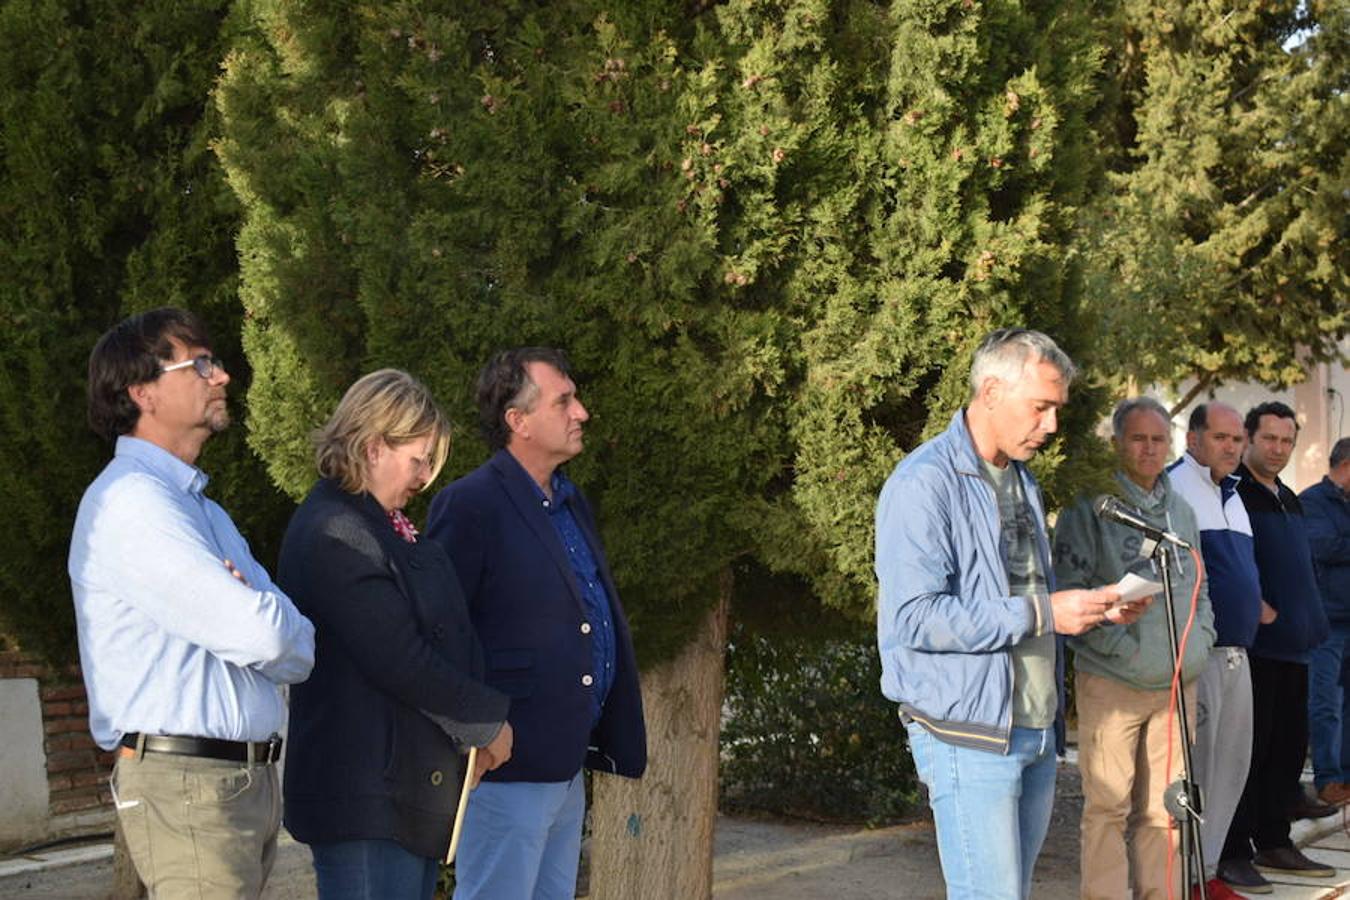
pixel 807 732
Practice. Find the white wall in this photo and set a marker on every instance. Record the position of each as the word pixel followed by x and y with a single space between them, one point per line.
pixel 1319 402
pixel 23 765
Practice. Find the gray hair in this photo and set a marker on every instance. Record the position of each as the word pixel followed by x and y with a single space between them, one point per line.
pixel 505 383
pixel 1340 452
pixel 1133 404
pixel 1005 352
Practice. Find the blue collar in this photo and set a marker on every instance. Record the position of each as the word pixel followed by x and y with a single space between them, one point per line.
pixel 968 460
pixel 188 479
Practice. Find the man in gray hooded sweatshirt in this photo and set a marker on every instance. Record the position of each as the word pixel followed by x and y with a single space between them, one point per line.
pixel 1123 673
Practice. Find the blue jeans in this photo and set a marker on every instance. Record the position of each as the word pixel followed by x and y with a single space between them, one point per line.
pixel 521 841
pixel 991 810
pixel 1328 718
pixel 372 870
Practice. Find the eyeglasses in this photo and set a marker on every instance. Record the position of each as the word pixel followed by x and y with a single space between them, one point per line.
pixel 206 365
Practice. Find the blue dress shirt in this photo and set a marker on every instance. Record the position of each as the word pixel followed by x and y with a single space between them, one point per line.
pixel 587 572
pixel 170 641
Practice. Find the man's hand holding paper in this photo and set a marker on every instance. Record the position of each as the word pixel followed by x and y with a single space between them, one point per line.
pixel 1136 595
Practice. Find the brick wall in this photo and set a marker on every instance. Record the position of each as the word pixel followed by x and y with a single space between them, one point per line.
pixel 77 770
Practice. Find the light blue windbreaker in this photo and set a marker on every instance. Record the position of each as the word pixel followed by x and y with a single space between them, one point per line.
pixel 946 624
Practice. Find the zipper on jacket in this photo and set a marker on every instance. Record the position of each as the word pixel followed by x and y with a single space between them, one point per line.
pixel 1005 723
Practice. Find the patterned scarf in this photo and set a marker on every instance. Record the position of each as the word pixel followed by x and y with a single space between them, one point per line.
pixel 403 525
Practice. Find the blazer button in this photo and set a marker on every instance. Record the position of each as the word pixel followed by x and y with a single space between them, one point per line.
pixel 587 680
pixel 585 627
pixel 438 631
pixel 437 778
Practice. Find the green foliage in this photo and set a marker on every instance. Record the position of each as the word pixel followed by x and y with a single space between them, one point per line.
pixel 423 187
pixel 930 158
pixel 768 233
pixel 807 733
pixel 110 202
pixel 1220 251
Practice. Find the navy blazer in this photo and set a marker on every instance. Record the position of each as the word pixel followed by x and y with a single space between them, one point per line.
pixel 531 617
pixel 373 750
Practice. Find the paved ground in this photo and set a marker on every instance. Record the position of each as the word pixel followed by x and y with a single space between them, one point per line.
pixel 756 860
pixel 1332 848
pixel 782 861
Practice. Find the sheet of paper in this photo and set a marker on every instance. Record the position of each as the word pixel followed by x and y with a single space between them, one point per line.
pixel 1132 587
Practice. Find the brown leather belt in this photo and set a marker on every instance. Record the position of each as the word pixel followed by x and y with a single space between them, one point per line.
pixel 268 751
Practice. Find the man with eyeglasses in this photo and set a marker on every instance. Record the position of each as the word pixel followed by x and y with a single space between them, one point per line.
pixel 185 642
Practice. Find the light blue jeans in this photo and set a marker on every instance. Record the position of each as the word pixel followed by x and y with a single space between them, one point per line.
pixel 372 870
pixel 991 810
pixel 1328 722
pixel 521 841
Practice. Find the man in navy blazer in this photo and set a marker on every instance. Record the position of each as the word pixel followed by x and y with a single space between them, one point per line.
pixel 543 602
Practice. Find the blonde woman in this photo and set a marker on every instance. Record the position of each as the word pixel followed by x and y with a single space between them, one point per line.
pixel 373 758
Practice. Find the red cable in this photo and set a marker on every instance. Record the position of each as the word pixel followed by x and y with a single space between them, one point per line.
pixel 1172 711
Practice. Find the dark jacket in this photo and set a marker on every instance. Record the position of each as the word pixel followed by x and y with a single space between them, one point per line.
pixel 376 733
pixel 1326 510
pixel 1284 561
pixel 531 617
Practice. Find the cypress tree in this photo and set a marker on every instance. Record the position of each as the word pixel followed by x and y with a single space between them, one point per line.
pixel 1220 251
pixel 934 156
pixel 422 187
pixel 110 202
pixel 769 234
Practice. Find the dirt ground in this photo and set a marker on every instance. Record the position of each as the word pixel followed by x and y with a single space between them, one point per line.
pixel 754 860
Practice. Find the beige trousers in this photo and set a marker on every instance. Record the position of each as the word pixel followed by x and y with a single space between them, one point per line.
pixel 1122 756
pixel 199 828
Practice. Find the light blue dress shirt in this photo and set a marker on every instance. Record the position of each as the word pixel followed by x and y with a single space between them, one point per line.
pixel 170 641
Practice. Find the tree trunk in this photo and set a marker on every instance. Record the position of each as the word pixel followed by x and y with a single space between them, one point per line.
pixel 653 837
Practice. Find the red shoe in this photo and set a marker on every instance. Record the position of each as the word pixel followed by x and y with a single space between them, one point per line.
pixel 1216 890
pixel 1335 794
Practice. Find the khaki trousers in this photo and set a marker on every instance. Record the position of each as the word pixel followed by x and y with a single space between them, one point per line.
pixel 198 828
pixel 1122 756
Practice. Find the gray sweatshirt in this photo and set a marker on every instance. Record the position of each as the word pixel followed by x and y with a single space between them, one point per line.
pixel 1091 553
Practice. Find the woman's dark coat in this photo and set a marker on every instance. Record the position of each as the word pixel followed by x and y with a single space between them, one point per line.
pixel 376 733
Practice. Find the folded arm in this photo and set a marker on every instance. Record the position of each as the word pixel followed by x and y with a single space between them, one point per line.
pixel 149 551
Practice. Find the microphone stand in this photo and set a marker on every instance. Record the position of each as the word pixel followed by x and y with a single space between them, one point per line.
pixel 1183 797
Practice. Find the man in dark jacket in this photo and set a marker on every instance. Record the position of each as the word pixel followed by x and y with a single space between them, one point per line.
pixel 1279 656
pixel 1326 510
pixel 526 549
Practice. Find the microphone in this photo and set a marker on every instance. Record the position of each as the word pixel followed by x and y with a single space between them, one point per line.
pixel 1113 510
